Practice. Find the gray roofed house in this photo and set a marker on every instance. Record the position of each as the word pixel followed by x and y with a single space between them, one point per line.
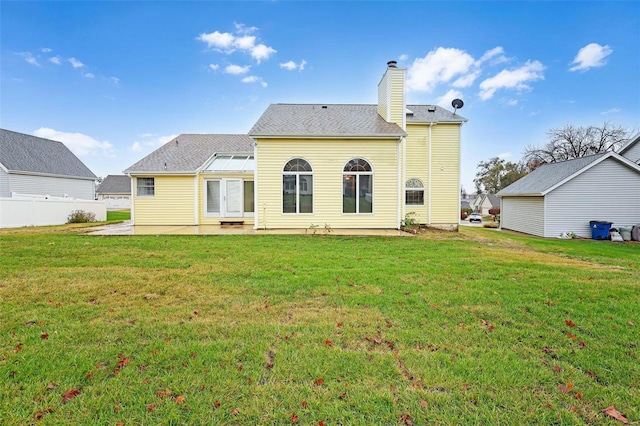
pixel 632 149
pixel 115 190
pixel 38 166
pixel 344 165
pixel 561 197
pixel 187 153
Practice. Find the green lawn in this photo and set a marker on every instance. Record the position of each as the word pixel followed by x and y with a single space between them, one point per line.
pixel 118 215
pixel 479 327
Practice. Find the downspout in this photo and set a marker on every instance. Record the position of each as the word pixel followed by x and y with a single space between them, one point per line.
pixel 195 200
pixel 430 193
pixel 403 198
pixel 256 210
pixel 399 209
pixel 133 199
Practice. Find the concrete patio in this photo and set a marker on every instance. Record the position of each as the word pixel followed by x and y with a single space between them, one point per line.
pixel 127 228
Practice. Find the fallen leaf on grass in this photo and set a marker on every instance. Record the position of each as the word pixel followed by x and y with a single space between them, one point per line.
pixel 319 381
pixel 572 336
pixel 180 399
pixel 235 411
pixel 591 374
pixel 406 419
pixel 294 418
pixel 44 336
pixel 424 403
pixel 321 423
pixel 570 323
pixel 304 404
pixel 40 414
pixel 69 395
pixel 612 412
pixel 557 369
pixel 151 407
pixel 217 404
pixel 328 343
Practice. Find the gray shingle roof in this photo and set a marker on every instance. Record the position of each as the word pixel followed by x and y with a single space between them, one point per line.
pixel 115 184
pixel 494 200
pixel 548 175
pixel 634 140
pixel 25 153
pixel 188 152
pixel 422 114
pixel 323 120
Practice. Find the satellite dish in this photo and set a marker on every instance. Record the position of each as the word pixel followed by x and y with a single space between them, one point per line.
pixel 457 104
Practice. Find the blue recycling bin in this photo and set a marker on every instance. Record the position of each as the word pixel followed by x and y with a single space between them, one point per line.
pixel 599 229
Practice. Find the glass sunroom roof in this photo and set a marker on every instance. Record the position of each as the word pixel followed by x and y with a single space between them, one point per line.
pixel 232 163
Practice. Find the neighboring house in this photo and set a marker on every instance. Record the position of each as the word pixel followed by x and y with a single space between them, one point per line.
pixel 465 204
pixel 36 166
pixel 115 191
pixel 485 202
pixel 566 196
pixel 632 149
pixel 346 166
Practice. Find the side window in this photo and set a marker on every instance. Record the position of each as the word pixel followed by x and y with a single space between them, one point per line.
pixel 297 187
pixel 414 192
pixel 146 187
pixel 357 187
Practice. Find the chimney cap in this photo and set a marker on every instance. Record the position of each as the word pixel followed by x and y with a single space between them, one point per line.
pixel 392 64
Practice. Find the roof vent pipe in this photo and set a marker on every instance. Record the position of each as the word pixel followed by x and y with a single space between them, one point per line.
pixel 392 64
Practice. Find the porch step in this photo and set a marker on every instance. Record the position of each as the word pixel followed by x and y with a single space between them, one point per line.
pixel 231 222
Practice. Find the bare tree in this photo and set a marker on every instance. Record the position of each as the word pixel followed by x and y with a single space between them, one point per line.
pixel 571 142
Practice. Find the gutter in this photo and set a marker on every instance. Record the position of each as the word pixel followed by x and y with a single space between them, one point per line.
pixel 337 136
pixel 22 172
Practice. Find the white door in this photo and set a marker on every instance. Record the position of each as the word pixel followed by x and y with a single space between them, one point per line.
pixel 224 198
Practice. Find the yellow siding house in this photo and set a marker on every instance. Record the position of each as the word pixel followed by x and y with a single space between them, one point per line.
pixel 303 165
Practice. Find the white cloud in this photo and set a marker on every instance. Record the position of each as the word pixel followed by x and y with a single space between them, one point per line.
pixel 236 69
pixel 438 66
pixel 512 79
pixel 217 40
pixel 403 57
pixel 80 144
pixel 245 42
pixel 491 54
pixel 466 80
pixel 611 111
pixel 214 66
pixel 228 43
pixel 55 60
pixel 46 50
pixel 27 56
pixel 88 75
pixel 255 79
pixel 262 52
pixel 75 63
pixel 512 102
pixel 591 56
pixel 115 80
pixel 445 100
pixel 291 65
pixel 152 142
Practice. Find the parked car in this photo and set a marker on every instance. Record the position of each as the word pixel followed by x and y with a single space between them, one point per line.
pixel 475 217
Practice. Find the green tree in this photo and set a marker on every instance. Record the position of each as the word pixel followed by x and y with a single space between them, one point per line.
pixel 497 173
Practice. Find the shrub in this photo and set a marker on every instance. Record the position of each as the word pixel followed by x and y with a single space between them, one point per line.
pixel 463 215
pixel 80 216
pixel 491 225
pixel 494 211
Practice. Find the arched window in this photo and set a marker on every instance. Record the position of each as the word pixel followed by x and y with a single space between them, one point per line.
pixel 297 187
pixel 357 187
pixel 414 192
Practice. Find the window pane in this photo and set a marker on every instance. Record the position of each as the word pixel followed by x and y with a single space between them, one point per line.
pixel 145 186
pixel 213 196
pixel 306 194
pixel 289 193
pixel 415 197
pixel 248 196
pixel 357 165
pixel 349 193
pixel 365 191
pixel 234 197
pixel 297 165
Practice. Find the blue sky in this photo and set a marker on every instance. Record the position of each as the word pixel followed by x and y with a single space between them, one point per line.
pixel 114 80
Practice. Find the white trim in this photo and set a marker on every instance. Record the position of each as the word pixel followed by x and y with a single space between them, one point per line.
pixel 22 172
pixel 196 212
pixel 133 199
pixel 358 174
pixel 634 140
pixel 393 136
pixel 297 174
pixel 4 169
pixel 400 200
pixel 256 213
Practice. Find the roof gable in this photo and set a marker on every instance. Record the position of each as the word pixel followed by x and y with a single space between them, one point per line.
pixel 632 146
pixel 189 152
pixel 548 177
pixel 115 184
pixel 30 154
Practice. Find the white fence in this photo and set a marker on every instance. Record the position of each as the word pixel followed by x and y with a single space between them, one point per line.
pixel 29 211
